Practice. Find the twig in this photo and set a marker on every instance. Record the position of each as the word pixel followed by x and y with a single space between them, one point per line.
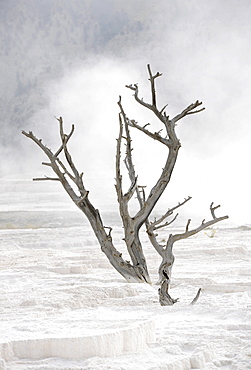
pixel 212 209
pixel 196 298
pixel 188 223
pixel 46 178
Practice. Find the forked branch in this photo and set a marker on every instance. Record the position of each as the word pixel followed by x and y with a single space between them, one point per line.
pixel 66 176
pixel 169 213
pixel 58 166
pixel 168 123
pixel 170 140
pixel 212 209
pixel 189 110
pixel 202 226
pixel 152 81
pixel 157 224
pixel 153 135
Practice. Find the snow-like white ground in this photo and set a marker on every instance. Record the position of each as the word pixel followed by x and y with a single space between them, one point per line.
pixel 64 307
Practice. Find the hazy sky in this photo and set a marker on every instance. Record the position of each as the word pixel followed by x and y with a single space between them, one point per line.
pixel 203 49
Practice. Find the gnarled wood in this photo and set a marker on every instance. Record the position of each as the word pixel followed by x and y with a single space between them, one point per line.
pixel 164 297
pixel 62 164
pixel 166 251
pixel 81 199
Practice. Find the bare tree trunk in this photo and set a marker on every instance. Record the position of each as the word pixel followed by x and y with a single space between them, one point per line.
pixel 125 268
pixel 105 240
pixel 164 297
pixel 166 251
pixel 66 173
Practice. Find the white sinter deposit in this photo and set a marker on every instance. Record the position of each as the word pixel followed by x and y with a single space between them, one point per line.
pixel 64 307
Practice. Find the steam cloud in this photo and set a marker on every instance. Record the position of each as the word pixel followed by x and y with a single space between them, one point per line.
pixel 74 61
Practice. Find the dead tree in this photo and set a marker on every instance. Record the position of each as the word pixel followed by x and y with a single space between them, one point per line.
pixel 166 251
pixel 67 173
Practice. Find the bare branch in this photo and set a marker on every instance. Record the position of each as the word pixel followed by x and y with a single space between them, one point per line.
pixel 66 172
pixel 212 209
pixel 196 298
pixel 171 141
pixel 132 87
pixel 133 123
pixel 169 125
pixel 64 138
pixel 146 125
pixel 59 151
pixel 152 80
pixel 46 178
pixel 142 191
pixel 131 190
pixel 157 224
pixel 167 223
pixel 170 212
pixel 128 159
pixel 204 225
pixel 37 141
pixel 136 96
pixel 188 223
pixel 130 166
pixel 162 110
pixel 55 165
pixel 155 135
pixel 188 110
pixel 118 185
pixel 128 271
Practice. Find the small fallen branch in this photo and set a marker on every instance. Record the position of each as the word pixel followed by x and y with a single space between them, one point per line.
pixel 196 298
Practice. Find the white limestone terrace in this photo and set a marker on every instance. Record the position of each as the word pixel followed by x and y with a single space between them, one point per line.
pixel 63 306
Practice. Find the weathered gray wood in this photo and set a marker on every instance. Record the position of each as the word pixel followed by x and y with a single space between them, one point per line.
pixel 196 298
pixel 125 268
pixel 66 172
pixel 164 297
